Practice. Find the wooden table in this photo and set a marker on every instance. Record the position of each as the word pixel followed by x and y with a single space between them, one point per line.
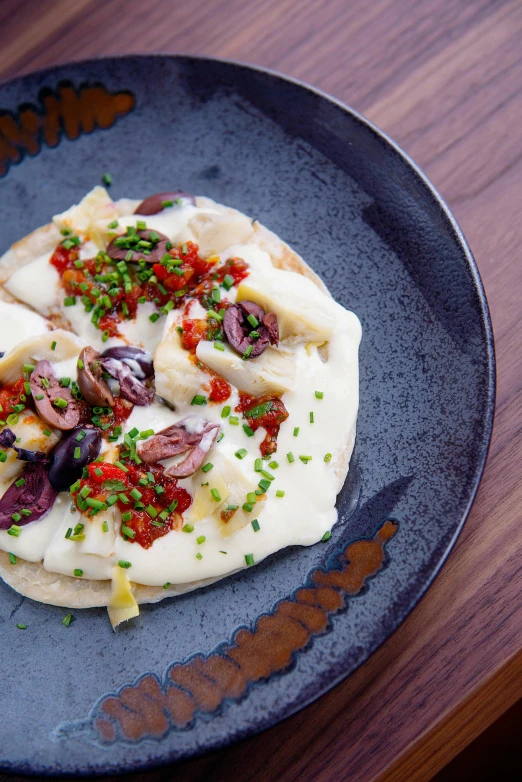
pixel 444 78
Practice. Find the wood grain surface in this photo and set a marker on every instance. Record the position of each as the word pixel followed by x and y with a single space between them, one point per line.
pixel 444 78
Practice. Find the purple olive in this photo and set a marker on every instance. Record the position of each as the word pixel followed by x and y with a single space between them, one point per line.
pixel 7 438
pixel 35 494
pixel 64 467
pixel 139 361
pixel 95 390
pixel 154 203
pixel 131 388
pixel 238 329
pixel 25 455
pixel 56 405
pixel 156 251
pixel 193 436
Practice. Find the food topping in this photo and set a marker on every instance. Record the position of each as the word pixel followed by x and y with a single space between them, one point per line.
pixel 246 331
pixel 159 201
pixel 27 499
pixel 74 452
pixel 131 388
pixel 94 388
pixel 193 436
pixel 54 403
pixel 140 244
pixel 138 360
pixel 265 411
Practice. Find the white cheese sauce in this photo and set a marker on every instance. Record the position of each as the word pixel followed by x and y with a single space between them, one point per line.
pixel 316 426
pixel 19 324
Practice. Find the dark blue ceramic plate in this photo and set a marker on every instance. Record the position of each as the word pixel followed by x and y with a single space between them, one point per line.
pixel 204 670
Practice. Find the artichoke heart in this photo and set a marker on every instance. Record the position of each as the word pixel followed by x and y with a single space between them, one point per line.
pixel 122 604
pixel 36 349
pixel 177 377
pixel 95 206
pixel 273 372
pixel 301 308
pixel 30 430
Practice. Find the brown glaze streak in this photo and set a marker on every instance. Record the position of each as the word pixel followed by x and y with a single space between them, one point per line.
pixel 65 110
pixel 148 709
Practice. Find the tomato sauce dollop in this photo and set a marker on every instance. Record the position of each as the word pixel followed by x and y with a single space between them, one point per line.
pixel 270 419
pixel 101 480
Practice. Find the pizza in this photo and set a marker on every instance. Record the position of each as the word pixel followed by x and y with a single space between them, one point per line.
pixel 179 396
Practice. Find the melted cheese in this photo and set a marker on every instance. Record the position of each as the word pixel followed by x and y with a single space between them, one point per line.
pixel 307 509
pixel 21 324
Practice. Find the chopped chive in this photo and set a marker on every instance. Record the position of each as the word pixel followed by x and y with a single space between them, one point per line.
pixel 124 564
pixel 166 586
pixel 200 540
pixel 296 431
pixel 248 431
pixel 135 494
pixel 28 368
pixel 251 497
pixel 151 510
pixel 226 411
pixel 12 419
pixel 97 504
pixel 68 618
pixel 280 493
pixel 228 282
pixel 207 467
pixel 3 456
pixel 216 495
pixel 247 352
pixel 38 397
pixel 232 507
pixel 219 346
pixel 166 204
pixel 267 475
pixel 199 555
pixel 21 627
pixel 47 432
pixel 290 457
pixel 69 301
pixel 241 453
pixel 16 517
pixel 311 417
pixel 78 572
pixel 258 465
pixel 187 528
pixel 234 420
pixel 273 465
pixel 78 454
pixel 105 526
pixel 114 224
pixel 14 530
pixel 253 321
pixel 305 459
pixel 85 492
pixel 154 317
pixel 249 559
pixel 255 525
pixel 121 466
pixel 107 179
pixel 130 533
pixel 80 436
pixel 20 482
pixel 319 394
pixel 59 402
pixel 326 536
pixel 248 507
pixel 327 457
pixel 26 512
pixel 12 559
pixel 123 498
pixel 264 484
pixel 112 499
pixel 53 345
pixel 199 399
pixel 80 364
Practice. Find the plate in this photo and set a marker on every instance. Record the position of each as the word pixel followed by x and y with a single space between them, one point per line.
pixel 201 671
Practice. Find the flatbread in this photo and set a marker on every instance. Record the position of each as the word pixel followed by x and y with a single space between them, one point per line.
pixel 30 579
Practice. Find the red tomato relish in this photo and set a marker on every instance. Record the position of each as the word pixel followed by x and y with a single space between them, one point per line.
pixel 111 290
pixel 151 503
pixel 266 411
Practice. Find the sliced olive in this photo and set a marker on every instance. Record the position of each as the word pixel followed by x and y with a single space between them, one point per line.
pixel 95 390
pixel 133 253
pixel 35 494
pixel 131 388
pixel 193 436
pixel 155 203
pixel 238 328
pixel 74 452
pixel 139 361
pixel 57 405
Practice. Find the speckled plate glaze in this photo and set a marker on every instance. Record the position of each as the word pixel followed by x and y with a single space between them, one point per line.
pixel 204 670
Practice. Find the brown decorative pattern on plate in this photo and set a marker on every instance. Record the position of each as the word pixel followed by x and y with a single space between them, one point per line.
pixel 148 708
